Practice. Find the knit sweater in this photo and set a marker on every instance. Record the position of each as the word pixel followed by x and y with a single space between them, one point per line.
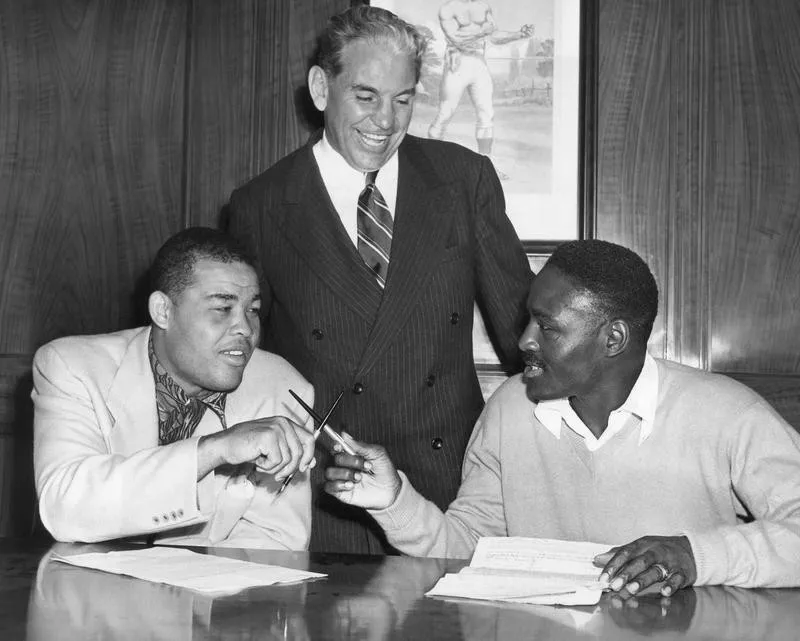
pixel 720 466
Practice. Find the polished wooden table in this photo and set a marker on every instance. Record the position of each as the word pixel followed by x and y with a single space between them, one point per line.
pixel 362 598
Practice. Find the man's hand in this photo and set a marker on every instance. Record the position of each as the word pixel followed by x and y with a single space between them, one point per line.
pixel 368 480
pixel 276 445
pixel 646 561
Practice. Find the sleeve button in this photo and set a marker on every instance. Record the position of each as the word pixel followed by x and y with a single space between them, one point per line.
pixel 358 388
pixel 437 443
pixel 318 334
pixel 430 381
pixel 454 318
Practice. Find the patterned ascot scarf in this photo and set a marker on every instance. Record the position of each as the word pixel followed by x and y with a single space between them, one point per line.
pixel 179 414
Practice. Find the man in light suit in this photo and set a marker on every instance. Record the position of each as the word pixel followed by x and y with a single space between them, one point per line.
pixel 181 431
pixel 398 339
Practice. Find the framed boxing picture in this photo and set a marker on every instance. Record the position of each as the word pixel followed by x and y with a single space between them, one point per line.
pixel 515 80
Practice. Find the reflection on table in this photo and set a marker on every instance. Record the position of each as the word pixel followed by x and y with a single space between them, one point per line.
pixel 362 598
pixel 713 613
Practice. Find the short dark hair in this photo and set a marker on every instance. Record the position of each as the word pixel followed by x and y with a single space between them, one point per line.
pixel 172 270
pixel 616 277
pixel 363 22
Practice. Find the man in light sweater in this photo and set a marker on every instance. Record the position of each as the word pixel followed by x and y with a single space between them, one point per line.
pixel 693 476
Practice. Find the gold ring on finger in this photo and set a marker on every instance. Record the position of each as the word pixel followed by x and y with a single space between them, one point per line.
pixel 663 572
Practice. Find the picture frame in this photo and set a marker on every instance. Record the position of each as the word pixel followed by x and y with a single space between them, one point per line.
pixel 483 351
pixel 525 97
pixel 572 135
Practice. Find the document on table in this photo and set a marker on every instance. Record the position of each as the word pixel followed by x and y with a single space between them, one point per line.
pixel 177 566
pixel 527 570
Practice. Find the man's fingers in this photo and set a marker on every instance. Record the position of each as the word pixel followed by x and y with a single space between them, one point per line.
pixel 296 452
pixel 340 489
pixel 307 444
pixel 674 582
pixel 601 560
pixel 285 452
pixel 643 580
pixel 348 461
pixel 340 474
pixel 613 567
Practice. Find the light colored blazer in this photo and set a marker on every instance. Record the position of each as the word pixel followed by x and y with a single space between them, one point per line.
pixel 101 474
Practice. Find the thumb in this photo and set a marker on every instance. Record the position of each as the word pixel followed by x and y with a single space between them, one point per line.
pixel 601 560
pixel 357 446
pixel 365 451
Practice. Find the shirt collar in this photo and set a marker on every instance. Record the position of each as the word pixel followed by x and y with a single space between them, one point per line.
pixel 336 171
pixel 334 167
pixel 641 402
pixel 179 413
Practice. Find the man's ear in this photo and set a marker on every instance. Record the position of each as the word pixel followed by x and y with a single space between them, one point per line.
pixel 618 337
pixel 160 307
pixel 318 87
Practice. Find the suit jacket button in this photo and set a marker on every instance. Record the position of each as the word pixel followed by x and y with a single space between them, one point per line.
pixel 430 381
pixel 437 443
pixel 454 318
pixel 317 333
pixel 358 388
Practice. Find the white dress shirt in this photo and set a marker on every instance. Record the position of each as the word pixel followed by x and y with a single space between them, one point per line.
pixel 344 184
pixel 641 404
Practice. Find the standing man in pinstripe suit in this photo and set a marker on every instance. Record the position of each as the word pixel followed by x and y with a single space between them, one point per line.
pixel 399 342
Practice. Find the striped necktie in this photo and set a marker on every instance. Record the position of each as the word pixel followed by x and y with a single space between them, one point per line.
pixel 374 229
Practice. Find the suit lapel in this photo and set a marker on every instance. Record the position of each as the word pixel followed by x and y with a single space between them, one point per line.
pixel 132 399
pixel 423 219
pixel 312 226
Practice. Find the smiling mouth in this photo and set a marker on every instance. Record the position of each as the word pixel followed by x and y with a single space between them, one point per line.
pixel 533 367
pixel 238 356
pixel 373 140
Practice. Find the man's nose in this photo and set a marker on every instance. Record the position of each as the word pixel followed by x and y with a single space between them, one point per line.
pixel 529 341
pixel 245 325
pixel 384 114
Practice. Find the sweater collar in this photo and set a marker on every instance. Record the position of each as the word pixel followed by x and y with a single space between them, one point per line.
pixel 641 403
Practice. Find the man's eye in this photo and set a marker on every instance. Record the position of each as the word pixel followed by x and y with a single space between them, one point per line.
pixel 254 310
pixel 222 310
pixel 364 97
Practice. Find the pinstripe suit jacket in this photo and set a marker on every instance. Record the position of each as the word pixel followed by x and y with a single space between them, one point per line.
pixel 404 354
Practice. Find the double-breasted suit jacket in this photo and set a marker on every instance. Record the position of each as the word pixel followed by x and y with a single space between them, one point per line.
pixel 404 353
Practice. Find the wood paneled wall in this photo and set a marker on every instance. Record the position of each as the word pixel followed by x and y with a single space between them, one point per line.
pixel 122 122
pixel 247 103
pixel 698 171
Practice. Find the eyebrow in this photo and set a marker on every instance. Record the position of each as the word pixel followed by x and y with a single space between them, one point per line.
pixel 229 297
pixel 539 314
pixel 410 91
